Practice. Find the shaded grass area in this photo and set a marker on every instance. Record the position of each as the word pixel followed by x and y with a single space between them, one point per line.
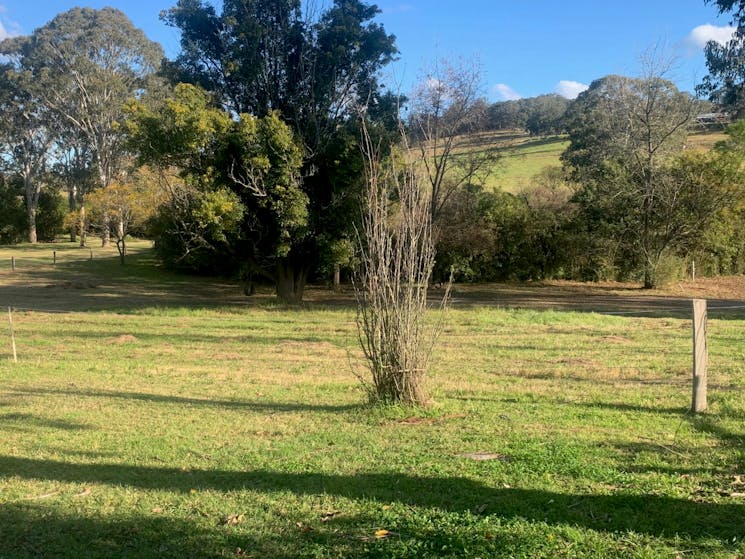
pixel 172 429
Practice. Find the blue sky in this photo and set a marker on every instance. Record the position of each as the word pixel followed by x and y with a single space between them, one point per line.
pixel 524 47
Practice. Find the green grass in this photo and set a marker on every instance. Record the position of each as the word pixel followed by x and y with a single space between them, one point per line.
pixel 524 159
pixel 524 156
pixel 163 426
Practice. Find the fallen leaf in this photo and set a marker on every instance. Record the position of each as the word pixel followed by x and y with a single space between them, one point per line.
pixel 380 534
pixel 303 527
pixel 156 510
pixel 233 519
pixel 329 515
pixel 481 456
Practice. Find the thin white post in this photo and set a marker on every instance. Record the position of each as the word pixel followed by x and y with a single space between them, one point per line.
pixel 12 335
pixel 700 356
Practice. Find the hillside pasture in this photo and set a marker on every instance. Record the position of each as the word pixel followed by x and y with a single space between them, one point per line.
pixel 159 415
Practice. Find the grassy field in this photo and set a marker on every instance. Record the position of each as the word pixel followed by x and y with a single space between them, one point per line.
pixel 525 156
pixel 161 416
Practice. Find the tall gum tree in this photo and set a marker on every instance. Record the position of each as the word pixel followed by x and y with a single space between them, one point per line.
pixel 27 135
pixel 725 82
pixel 265 56
pixel 85 64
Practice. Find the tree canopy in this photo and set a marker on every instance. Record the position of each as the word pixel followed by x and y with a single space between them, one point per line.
pixel 261 57
pixel 725 82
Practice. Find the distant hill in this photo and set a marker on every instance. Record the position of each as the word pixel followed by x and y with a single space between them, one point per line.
pixel 524 156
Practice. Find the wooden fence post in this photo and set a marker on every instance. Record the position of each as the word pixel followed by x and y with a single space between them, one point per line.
pixel 12 263
pixel 12 335
pixel 54 257
pixel 700 356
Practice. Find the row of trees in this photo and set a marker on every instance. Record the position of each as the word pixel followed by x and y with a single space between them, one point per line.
pixel 242 155
pixel 250 163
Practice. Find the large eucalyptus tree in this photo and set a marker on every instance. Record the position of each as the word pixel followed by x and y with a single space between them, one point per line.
pixel 83 66
pixel 27 133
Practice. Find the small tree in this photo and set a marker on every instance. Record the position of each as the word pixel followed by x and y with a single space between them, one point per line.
pixel 127 204
pixel 397 258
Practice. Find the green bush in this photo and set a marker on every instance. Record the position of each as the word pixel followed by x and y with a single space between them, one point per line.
pixel 13 221
pixel 50 215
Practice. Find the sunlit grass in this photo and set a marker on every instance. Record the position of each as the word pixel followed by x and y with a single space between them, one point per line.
pixel 168 429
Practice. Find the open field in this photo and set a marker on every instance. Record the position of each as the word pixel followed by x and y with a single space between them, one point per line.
pixel 166 416
pixel 525 156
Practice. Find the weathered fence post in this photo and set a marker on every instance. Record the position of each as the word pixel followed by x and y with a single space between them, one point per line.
pixel 12 263
pixel 12 335
pixel 91 254
pixel 54 257
pixel 700 356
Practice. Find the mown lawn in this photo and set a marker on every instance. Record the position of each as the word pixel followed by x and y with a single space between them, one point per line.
pixel 163 427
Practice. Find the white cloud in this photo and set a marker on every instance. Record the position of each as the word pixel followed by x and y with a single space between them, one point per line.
pixel 505 92
pixel 570 89
pixel 397 9
pixel 708 32
pixel 3 33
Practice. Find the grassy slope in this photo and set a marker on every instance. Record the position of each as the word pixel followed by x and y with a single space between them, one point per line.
pixel 158 426
pixel 525 156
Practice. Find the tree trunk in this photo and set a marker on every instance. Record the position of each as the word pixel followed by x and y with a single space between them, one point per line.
pixel 81 224
pixel 73 206
pixel 32 225
pixel 337 277
pixel 106 231
pixel 32 203
pixel 290 282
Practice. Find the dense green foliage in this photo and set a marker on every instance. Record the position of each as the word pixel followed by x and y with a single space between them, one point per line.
pixel 725 82
pixel 539 115
pixel 236 200
pixel 263 57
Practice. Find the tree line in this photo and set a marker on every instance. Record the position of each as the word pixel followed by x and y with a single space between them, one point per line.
pixel 242 155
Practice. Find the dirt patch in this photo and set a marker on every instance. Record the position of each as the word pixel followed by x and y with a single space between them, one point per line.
pixel 622 340
pixel 124 339
pixel 430 420
pixel 72 285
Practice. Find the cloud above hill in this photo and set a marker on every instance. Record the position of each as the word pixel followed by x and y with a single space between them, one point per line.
pixel 570 89
pixel 505 92
pixel 8 28
pixel 702 34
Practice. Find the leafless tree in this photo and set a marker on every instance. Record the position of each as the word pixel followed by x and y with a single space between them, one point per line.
pixel 446 112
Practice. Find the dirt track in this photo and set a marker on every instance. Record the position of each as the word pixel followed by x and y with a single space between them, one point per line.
pixel 50 289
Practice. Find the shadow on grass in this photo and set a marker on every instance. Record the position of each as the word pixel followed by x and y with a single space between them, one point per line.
pixel 24 422
pixel 248 405
pixel 621 512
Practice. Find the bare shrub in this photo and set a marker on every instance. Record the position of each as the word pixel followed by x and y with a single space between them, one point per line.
pixel 397 256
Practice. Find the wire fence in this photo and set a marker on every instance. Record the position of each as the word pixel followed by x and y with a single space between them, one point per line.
pixel 50 258
pixel 698 351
